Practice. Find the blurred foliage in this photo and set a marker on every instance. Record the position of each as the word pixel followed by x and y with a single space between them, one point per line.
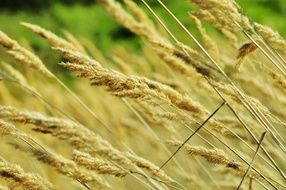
pixel 269 12
pixel 87 18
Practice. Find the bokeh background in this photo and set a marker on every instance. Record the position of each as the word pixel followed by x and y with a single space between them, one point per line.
pixel 88 19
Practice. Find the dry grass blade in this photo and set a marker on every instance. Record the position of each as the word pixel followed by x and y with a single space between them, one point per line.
pixel 248 168
pixel 181 146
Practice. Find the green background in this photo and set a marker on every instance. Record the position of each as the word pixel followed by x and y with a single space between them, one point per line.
pixel 87 18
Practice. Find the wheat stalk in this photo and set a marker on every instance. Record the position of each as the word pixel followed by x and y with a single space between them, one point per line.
pixel 65 166
pixel 18 178
pixel 23 55
pixel 98 165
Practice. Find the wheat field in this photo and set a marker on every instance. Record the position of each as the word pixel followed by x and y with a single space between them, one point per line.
pixel 207 113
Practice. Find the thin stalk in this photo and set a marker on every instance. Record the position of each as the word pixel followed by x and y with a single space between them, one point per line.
pixel 249 166
pixel 171 34
pixel 260 118
pixel 181 146
pixel 82 103
pixel 150 130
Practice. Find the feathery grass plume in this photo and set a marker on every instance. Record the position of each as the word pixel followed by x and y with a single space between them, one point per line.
pixel 180 61
pixel 148 112
pixel 261 92
pixel 72 39
pixel 78 136
pixel 59 42
pixel 53 39
pixel 167 81
pixel 18 178
pixel 235 125
pixel 106 149
pixel 14 73
pixel 130 86
pixel 244 51
pixel 226 13
pixel 138 13
pixel 214 156
pixel 243 24
pixel 141 27
pixel 93 50
pixel 231 95
pixel 23 55
pixel 251 82
pixel 98 165
pixel 64 166
pixel 154 115
pixel 193 54
pixel 149 166
pixel 144 30
pixel 64 129
pixel 130 127
pixel 273 38
pixel 278 80
pixel 14 76
pixel 209 43
pixel 139 88
pixel 205 15
pixel 172 61
pixel 167 102
pixel 134 61
pixel 126 86
pixel 160 117
pixel 10 130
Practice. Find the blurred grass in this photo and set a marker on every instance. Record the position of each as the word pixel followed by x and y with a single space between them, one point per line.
pixel 89 20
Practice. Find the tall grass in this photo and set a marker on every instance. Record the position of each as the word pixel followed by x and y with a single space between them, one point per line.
pixel 205 114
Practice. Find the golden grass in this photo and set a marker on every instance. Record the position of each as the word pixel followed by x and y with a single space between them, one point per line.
pixel 115 133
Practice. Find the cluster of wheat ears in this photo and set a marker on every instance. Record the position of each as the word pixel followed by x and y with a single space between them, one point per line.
pixel 208 115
